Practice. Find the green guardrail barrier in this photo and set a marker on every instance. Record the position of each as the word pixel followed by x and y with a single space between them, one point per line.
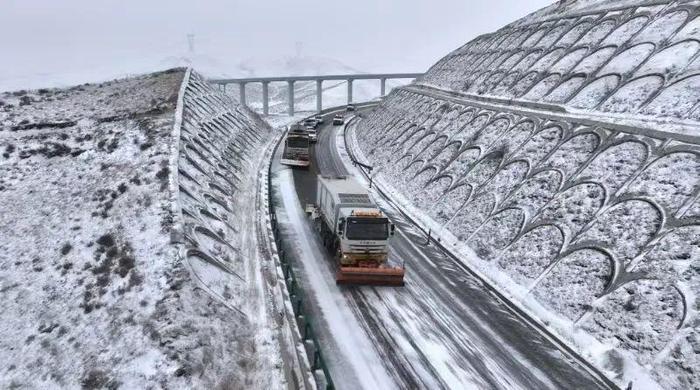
pixel 303 318
pixel 301 313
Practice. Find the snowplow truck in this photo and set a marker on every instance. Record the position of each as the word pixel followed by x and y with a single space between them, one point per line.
pixel 356 232
pixel 296 147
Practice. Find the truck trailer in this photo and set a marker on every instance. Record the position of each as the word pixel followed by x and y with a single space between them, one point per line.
pixel 356 232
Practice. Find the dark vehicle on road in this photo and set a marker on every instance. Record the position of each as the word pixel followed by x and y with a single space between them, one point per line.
pixel 310 122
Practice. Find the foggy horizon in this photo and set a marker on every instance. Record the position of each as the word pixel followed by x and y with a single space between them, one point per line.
pixel 80 41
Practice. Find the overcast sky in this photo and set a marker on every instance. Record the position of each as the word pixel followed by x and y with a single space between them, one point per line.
pixel 64 41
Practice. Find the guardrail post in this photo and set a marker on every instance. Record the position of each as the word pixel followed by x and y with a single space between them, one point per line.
pixel 265 101
pixel 319 95
pixel 290 96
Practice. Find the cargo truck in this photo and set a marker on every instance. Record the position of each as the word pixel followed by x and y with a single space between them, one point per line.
pixel 296 147
pixel 356 232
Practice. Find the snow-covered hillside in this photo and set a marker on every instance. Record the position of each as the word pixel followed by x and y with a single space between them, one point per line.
pixel 636 59
pixel 569 211
pixel 124 261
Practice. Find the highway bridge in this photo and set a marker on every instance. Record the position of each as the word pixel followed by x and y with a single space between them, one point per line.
pixel 290 80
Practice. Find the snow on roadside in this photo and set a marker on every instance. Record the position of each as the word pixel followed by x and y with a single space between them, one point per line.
pixel 94 293
pixel 588 346
pixel 221 146
pixel 626 58
pixel 347 344
pixel 503 220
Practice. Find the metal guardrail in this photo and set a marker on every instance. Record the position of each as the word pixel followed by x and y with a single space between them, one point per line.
pixel 303 317
pixel 351 154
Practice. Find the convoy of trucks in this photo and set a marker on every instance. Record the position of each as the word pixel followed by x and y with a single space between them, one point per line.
pixel 352 227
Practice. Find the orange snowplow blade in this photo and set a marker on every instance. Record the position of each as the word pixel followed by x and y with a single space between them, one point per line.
pixel 379 276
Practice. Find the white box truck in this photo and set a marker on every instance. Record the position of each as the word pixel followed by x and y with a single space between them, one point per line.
pixel 296 148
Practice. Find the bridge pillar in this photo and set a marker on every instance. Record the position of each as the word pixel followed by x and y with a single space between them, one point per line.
pixel 266 106
pixel 319 95
pixel 349 91
pixel 241 90
pixel 382 82
pixel 290 96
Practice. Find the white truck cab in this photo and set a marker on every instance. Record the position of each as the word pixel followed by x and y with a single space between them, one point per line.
pixel 360 230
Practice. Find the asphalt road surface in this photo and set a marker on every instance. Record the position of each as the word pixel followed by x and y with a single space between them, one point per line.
pixel 443 329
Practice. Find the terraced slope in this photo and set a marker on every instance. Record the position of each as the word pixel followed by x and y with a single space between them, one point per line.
pixel 614 57
pixel 596 221
pixel 122 257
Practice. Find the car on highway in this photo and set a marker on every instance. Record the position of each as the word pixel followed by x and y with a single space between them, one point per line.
pixel 310 123
pixel 350 107
pixel 338 119
pixel 319 119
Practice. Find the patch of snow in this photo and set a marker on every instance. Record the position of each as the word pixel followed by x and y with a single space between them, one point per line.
pixel 98 288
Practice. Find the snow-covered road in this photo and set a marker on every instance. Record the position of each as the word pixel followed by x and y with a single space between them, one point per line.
pixel 349 354
pixel 442 330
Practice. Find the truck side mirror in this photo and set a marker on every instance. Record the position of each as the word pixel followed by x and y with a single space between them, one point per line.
pixel 392 229
pixel 341 226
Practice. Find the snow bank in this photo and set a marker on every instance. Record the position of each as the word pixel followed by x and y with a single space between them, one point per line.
pixel 104 283
pixel 621 57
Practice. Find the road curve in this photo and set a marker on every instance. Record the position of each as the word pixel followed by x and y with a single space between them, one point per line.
pixel 444 329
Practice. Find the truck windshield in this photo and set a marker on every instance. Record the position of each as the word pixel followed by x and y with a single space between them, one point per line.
pixel 297 142
pixel 367 228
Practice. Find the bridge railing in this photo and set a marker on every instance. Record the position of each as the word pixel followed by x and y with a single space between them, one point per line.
pixel 290 80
